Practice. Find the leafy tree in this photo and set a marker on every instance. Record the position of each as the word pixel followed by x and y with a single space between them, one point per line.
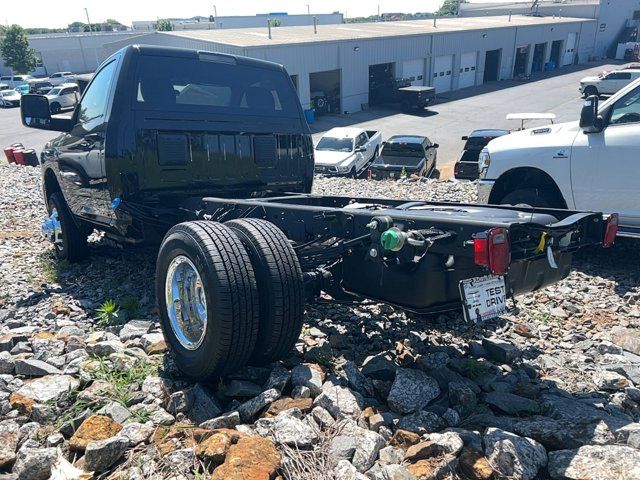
pixel 164 25
pixel 276 22
pixel 450 7
pixel 15 50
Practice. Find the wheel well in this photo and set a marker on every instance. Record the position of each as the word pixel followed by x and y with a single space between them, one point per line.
pixel 51 185
pixel 520 178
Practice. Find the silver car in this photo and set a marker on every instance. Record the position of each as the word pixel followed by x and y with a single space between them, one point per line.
pixel 9 98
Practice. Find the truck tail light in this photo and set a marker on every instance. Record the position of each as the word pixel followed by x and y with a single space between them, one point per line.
pixel 456 169
pixel 492 249
pixel 610 230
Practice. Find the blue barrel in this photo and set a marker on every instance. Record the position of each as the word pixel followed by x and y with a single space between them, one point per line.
pixel 309 115
pixel 549 66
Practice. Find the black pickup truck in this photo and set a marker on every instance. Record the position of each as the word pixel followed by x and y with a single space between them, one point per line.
pixel 210 156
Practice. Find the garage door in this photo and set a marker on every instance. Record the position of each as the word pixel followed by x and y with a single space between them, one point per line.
pixel 569 51
pixel 442 67
pixel 413 70
pixel 468 63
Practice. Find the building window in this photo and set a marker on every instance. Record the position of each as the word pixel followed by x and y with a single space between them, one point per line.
pixel 636 14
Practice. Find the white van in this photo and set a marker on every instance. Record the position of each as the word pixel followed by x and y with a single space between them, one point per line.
pixel 14 80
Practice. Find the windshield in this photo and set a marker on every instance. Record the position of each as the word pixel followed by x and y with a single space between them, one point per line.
pixel 7 93
pixel 403 150
pixel 334 144
pixel 54 91
pixel 191 85
pixel 477 143
pixel 398 160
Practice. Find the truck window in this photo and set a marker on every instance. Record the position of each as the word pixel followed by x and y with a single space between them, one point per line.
pixel 334 144
pixel 189 84
pixel 362 139
pixel 403 150
pixel 627 109
pixel 94 101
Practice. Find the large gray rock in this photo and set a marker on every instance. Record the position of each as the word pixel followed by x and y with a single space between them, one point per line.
pixel 627 338
pixel 35 368
pixel 357 380
pixel 115 411
pixel 499 350
pixel 421 422
pixel 136 432
pixel 249 409
pixel 340 402
pixel 595 462
pixel 228 420
pixel 342 447
pixel 345 471
pixel 278 378
pixel 204 404
pixel 379 367
pixel 48 388
pixel 242 388
pixel 412 390
pixel 552 434
pixel 7 363
pixel 135 329
pixel 308 375
pixel 514 456
pixel 368 445
pixel 34 463
pixel 512 404
pixel 9 436
pixel 102 454
pixel 292 431
pixel 609 380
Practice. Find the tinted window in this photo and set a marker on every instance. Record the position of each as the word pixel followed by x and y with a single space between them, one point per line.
pixel 627 109
pixel 170 83
pixel 335 144
pixel 477 143
pixel 362 139
pixel 403 149
pixel 94 101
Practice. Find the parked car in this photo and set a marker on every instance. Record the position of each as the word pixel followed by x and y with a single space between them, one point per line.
pixel 22 89
pixel 4 86
pixel 609 83
pixel 9 98
pixel 14 80
pixel 346 151
pixel 587 165
pixel 40 86
pixel 63 96
pixel 405 154
pixel 59 78
pixel 466 167
pixel 226 191
pixel 415 97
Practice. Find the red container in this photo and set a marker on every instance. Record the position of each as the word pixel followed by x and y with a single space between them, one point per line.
pixel 30 157
pixel 18 155
pixel 8 152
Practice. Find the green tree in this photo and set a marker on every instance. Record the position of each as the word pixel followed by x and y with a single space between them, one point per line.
pixel 164 25
pixel 276 22
pixel 450 7
pixel 15 50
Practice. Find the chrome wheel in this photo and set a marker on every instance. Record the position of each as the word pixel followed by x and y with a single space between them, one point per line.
pixel 186 302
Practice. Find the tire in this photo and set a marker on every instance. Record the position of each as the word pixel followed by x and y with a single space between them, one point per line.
pixel 528 197
pixel 228 287
pixel 280 287
pixel 353 173
pixel 55 108
pixel 73 246
pixel 590 90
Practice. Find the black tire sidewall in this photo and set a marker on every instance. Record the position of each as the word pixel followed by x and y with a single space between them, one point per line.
pixel 55 107
pixel 527 197
pixel 73 245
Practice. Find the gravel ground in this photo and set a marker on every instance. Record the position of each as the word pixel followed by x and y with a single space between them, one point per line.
pixel 371 392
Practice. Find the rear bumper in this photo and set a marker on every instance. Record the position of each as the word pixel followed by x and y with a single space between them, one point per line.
pixel 484 191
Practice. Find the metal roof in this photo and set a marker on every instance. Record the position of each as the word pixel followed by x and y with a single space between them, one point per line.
pixel 256 37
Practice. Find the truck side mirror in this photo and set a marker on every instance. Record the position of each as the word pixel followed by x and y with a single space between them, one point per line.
pixel 435 145
pixel 590 122
pixel 35 113
pixel 465 138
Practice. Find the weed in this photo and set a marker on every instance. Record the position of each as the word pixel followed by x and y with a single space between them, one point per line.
pixel 51 267
pixel 326 359
pixel 121 380
pixel 131 305
pixel 542 317
pixel 141 415
pixel 473 369
pixel 108 313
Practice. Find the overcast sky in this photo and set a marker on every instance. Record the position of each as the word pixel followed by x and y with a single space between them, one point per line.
pixel 41 13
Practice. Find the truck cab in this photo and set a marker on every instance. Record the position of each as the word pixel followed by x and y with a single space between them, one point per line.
pixel 590 164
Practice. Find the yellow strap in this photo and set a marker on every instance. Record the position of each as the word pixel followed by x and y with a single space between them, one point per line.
pixel 541 243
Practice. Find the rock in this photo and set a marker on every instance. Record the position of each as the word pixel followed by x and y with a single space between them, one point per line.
pixel 322 417
pixel 44 413
pixel 357 380
pixel 396 472
pixel 391 455
pixel 340 402
pixel 345 471
pixel 437 445
pixel 404 438
pixel 137 432
pixel 421 422
pixel 286 403
pixel 104 348
pixel 474 466
pixel 610 381
pixel 160 416
pixel 423 469
pixel 512 455
pixel 101 454
pixel 178 402
pixel 154 386
pixel 34 463
pixel 204 405
pixel 342 447
pixel 252 458
pixel 300 392
pixel 228 420
pixel 135 329
pixel 7 363
pixel 153 343
pixel 69 428
pixel 251 408
pixel 367 447
pixel 242 388
pixel 35 368
pixel 553 435
pixel 412 390
pixel 96 427
pixel 215 447
pixel 9 436
pixel 291 431
pixel 49 388
pixel 115 411
pixel 181 461
pixel 451 416
pixel 627 338
pixel 308 375
pixel 379 367
pixel 499 350
pixel 278 378
pixel 512 404
pixel 22 404
pixel 461 394
pixel 595 462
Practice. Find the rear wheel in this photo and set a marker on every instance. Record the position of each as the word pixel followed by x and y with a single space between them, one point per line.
pixel 280 287
pixel 55 108
pixel 590 90
pixel 69 239
pixel 208 299
pixel 528 197
pixel 353 173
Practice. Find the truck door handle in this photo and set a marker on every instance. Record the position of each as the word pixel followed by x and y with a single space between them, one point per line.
pixel 561 154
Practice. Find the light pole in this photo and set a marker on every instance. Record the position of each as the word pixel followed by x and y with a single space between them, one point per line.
pixel 88 21
pixel 308 10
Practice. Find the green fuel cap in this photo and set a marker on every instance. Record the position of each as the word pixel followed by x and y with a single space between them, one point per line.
pixel 391 239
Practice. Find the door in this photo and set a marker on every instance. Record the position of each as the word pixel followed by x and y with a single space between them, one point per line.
pixel 492 65
pixel 442 68
pixel 413 70
pixel 605 165
pixel 67 97
pixel 362 157
pixel 569 49
pixel 80 153
pixel 468 63
pixel 614 82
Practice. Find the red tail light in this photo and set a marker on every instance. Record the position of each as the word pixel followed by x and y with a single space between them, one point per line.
pixel 610 230
pixel 456 169
pixel 492 249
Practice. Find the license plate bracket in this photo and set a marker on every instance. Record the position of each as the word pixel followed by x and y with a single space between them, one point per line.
pixel 483 298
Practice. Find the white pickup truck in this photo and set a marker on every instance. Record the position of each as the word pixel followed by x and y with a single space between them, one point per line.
pixel 346 151
pixel 593 164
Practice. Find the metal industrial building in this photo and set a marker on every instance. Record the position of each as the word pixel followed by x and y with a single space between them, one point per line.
pixel 347 59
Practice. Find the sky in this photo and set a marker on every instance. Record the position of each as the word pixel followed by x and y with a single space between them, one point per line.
pixel 44 13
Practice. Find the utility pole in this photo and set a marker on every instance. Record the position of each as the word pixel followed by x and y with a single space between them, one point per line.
pixel 308 10
pixel 88 21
